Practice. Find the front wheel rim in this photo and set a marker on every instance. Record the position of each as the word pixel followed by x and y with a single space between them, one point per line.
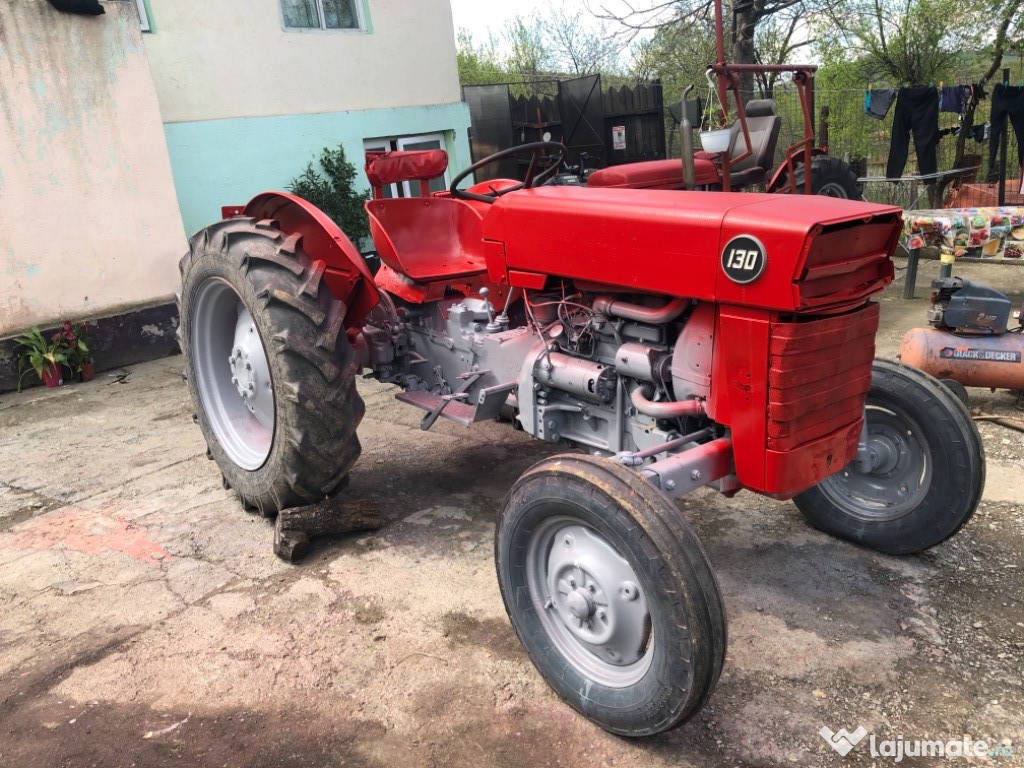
pixel 590 602
pixel 232 374
pixel 901 474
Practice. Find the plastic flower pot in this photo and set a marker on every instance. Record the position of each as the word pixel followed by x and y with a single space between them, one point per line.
pixel 52 376
pixel 87 372
pixel 717 140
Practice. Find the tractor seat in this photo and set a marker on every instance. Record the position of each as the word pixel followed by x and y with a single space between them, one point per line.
pixel 763 126
pixel 653 174
pixel 385 167
pixel 427 238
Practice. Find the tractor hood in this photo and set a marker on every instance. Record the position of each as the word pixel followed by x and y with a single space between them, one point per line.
pixel 782 252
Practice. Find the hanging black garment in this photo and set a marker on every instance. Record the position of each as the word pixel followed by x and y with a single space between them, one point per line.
pixel 1007 102
pixel 878 102
pixel 952 98
pixel 917 109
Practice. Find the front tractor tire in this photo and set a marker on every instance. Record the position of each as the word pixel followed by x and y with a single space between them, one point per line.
pixel 610 593
pixel 926 474
pixel 268 365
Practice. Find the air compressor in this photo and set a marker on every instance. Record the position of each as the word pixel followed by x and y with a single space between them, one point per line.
pixel 969 341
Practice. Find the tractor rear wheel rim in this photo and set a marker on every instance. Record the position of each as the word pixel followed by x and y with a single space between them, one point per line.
pixel 832 189
pixel 901 473
pixel 232 374
pixel 589 600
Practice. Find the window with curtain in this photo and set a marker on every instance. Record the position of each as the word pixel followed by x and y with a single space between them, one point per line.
pixel 320 14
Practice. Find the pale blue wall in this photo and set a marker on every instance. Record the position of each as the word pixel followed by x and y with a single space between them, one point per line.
pixel 227 162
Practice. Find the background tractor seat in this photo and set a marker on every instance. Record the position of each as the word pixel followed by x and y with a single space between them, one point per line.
pixel 427 238
pixel 763 126
pixel 654 174
pixel 384 167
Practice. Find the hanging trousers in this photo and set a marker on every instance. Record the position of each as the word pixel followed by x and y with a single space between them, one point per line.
pixel 1007 102
pixel 917 110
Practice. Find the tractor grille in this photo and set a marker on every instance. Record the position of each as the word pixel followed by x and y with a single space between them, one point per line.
pixel 848 262
pixel 818 376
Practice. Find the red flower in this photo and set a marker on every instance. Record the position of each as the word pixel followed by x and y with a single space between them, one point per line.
pixel 57 336
pixel 67 325
pixel 69 335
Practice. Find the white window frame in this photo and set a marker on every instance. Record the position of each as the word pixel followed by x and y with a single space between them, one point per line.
pixel 400 143
pixel 143 15
pixel 360 20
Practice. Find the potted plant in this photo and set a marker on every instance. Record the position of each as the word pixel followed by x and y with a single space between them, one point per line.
pixel 715 130
pixel 46 358
pixel 79 355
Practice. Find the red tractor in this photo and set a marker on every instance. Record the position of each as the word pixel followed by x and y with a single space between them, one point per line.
pixel 668 340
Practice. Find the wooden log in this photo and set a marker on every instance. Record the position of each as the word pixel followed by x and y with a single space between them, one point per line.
pixel 297 527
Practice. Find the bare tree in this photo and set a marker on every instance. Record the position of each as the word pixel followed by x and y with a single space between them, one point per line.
pixel 756 31
pixel 578 43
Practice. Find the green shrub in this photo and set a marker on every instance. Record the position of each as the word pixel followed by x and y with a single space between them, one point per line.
pixel 332 192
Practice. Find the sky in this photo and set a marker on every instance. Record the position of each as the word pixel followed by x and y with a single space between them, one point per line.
pixel 481 17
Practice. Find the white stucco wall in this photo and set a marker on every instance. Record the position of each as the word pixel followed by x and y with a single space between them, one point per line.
pixel 89 222
pixel 216 58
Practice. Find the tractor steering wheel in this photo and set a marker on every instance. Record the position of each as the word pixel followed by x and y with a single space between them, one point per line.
pixel 532 179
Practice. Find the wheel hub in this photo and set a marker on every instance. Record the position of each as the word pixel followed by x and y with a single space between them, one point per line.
pixel 885 453
pixel 580 604
pixel 237 398
pixel 594 597
pixel 250 372
pixel 897 474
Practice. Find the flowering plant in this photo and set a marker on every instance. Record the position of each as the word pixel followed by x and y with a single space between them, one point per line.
pixel 76 336
pixel 42 356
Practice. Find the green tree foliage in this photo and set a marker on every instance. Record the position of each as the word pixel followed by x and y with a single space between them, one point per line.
pixel 332 191
pixel 478 64
pixel 905 41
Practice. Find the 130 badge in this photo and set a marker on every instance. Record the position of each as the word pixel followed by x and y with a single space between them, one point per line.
pixel 744 259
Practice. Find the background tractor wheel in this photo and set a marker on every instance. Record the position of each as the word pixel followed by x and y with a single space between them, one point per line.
pixel 610 593
pixel 929 468
pixel 269 367
pixel 830 177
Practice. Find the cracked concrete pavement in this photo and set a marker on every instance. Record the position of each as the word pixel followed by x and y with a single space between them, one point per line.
pixel 144 620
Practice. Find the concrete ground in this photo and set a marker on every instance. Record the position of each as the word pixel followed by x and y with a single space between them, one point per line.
pixel 144 620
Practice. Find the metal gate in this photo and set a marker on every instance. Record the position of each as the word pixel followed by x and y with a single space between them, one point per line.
pixel 582 110
pixel 490 129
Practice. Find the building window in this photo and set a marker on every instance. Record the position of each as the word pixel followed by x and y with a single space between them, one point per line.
pixel 143 15
pixel 321 14
pixel 409 143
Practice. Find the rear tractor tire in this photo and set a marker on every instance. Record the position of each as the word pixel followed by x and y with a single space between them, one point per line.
pixel 610 593
pixel 928 473
pixel 268 365
pixel 830 177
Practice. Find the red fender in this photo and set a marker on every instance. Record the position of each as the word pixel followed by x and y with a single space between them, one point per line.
pixel 346 273
pixel 775 184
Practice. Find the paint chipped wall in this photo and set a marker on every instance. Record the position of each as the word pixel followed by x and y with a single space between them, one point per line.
pixel 217 59
pixel 89 222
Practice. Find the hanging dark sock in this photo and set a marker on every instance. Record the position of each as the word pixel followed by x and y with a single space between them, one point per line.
pixel 879 101
pixel 951 99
